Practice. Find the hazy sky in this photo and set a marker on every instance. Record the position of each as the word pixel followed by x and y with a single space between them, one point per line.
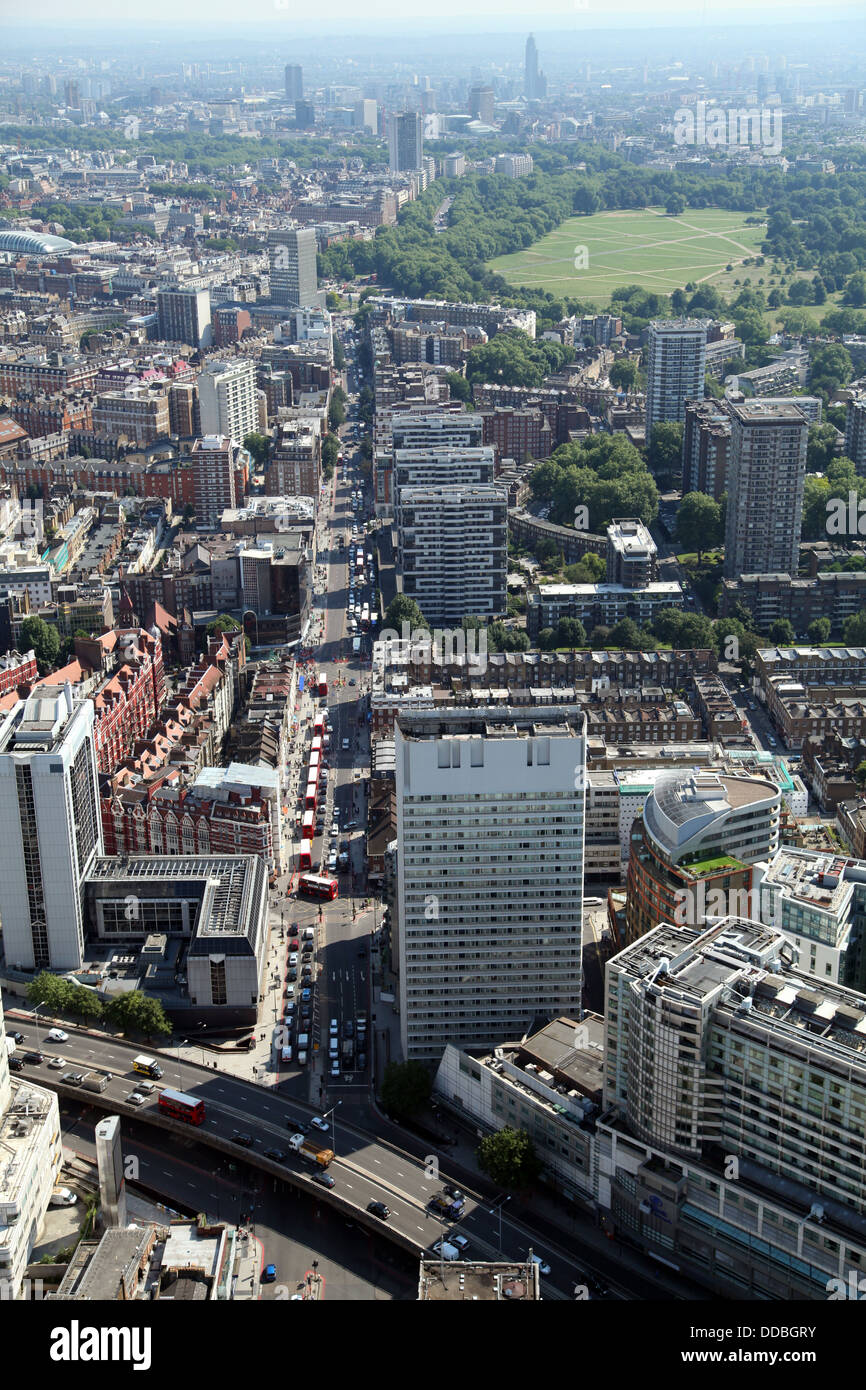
pixel 480 14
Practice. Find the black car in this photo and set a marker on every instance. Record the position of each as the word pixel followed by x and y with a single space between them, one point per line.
pixel 297 1126
pixel 33 1058
pixel 323 1179
pixel 596 1286
pixel 362 1061
pixel 379 1209
pixel 17 1037
pixel 291 975
pixel 453 1191
pixel 16 1064
pixel 293 929
pixel 245 1140
pixel 276 1154
pixel 348 1029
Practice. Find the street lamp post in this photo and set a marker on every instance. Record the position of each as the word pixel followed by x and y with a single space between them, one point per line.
pixel 332 1111
pixel 493 1210
pixel 36 1009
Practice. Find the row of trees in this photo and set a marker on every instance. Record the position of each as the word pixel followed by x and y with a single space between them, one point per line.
pixel 133 1012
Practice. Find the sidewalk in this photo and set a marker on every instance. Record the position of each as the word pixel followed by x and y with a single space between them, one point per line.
pixel 249 1258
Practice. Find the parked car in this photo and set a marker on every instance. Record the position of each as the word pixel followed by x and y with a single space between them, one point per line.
pixel 63 1197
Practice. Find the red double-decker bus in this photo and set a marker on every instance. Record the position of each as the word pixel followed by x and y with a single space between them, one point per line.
pixel 181 1106
pixel 308 825
pixel 305 859
pixel 315 886
pixel 312 795
pixel 323 684
pixel 318 726
pixel 315 759
pixel 316 745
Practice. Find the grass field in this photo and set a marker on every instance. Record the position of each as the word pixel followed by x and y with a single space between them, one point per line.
pixel 645 248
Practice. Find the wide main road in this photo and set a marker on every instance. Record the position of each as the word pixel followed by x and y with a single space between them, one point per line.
pixel 364 1168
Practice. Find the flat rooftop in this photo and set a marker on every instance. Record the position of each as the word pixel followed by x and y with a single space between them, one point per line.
pixel 459 1281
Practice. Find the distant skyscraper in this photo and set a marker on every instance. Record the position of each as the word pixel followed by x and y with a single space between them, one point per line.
pixel 766 476
pixel 73 96
pixel 184 317
pixel 534 81
pixel 50 828
pixel 675 373
pixel 405 141
pixel 366 115
pixel 294 278
pixel 294 82
pixel 305 115
pixel 481 103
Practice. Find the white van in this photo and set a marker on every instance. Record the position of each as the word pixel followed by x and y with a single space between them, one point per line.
pixel 63 1197
pixel 286 1054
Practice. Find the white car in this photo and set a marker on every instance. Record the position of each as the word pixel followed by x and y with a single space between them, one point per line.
pixel 57 1035
pixel 335 1028
pixel 135 1098
pixel 319 1123
pixel 55 1063
pixel 335 1067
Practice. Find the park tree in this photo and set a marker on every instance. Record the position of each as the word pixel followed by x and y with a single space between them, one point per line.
pixel 403 609
pixel 259 448
pixel 44 639
pixel 509 1158
pixel 406 1088
pixel 854 629
pixel 623 374
pixel 570 632
pixel 665 451
pixel 819 630
pixel 137 1012
pixel 782 633
pixel 698 522
pixel 459 387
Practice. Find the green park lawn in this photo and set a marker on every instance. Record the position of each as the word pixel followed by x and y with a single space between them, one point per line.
pixel 644 247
